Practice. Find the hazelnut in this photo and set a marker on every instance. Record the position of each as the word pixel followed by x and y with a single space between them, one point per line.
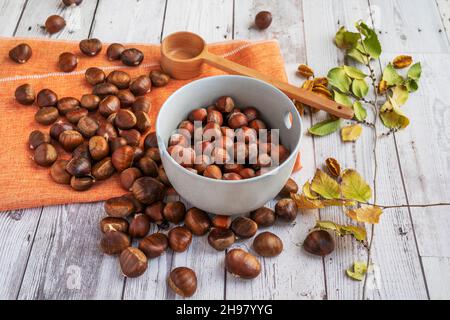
pixel 114 51
pixel 257 125
pixel 25 94
pixel 155 212
pixel 139 226
pixel 128 176
pixel 67 104
pixel 290 187
pixel 37 137
pixel 201 162
pixel 109 105
pixel 242 264
pixel 46 98
pixel 98 147
pixel 214 116
pixel 179 239
pixel 154 245
pixel 105 89
pixel 178 139
pixel 79 166
pixel 247 173
pixel 21 53
pixel 147 190
pixel 54 24
pixel 114 242
pixel 241 151
pixel 264 217
pixel 221 156
pixel 213 172
pixel 141 104
pixel 58 172
pixel 159 79
pixel 225 104
pixel 267 244
pixel 119 207
pixel 132 57
pixel 87 126
pixel 197 221
pixel 103 169
pixel 231 176
pixel 183 281
pixel 280 152
pixel 232 168
pixel 59 127
pixel 211 131
pixel 75 115
pixel 81 183
pixel 263 20
pixel 122 158
pixel 120 79
pixel 45 155
pixel 141 85
pixel 94 76
pixel 133 262
pixel 174 212
pixel 286 209
pixel 125 119
pixel 244 228
pixel 109 224
pixel 319 242
pixel 126 98
pixel 143 123
pixel 220 238
pixel 199 114
pixel 90 47
pixel 67 61
pixel 246 134
pixel 186 128
pixel 251 113
pixel 237 120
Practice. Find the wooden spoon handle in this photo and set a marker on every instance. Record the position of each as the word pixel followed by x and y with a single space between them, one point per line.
pixel 301 95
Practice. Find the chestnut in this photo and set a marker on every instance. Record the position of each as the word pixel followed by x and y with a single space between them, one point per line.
pixel 141 85
pixel 94 76
pixel 213 172
pixel 90 47
pixel 117 142
pixel 197 221
pixel 319 242
pixel 125 119
pixel 131 57
pixel 21 53
pixel 69 3
pixel 70 139
pixel 237 120
pixel 122 158
pixel 267 244
pixel 81 183
pixel 290 187
pixel 162 176
pixel 54 24
pixel 128 176
pixel 109 224
pixel 183 281
pixel 114 51
pixel 87 126
pixel 263 20
pixel 220 221
pixel 59 127
pixel 79 166
pixel 139 226
pixel 141 104
pixel 126 98
pixel 46 98
pixel 119 207
pixel 174 212
pixel 67 61
pixel 221 238
pixel 138 154
pixel 120 79
pixel 151 141
pixel 105 89
pixel 75 115
pixel 159 78
pixel 98 147
pixel 199 114
pixel 108 131
pixel 58 172
pixel 143 123
pixel 264 217
pixel 138 206
pixel 114 242
pixel 148 190
pixel 133 262
pixel 148 166
pixel 225 104
pixel 231 176
pixel 132 136
pixel 154 245
pixel 242 264
pixel 67 104
pixel 37 137
pixel 179 239
pixel 103 169
pixel 244 228
pixel 251 113
pixel 214 116
pixel 25 94
pixel 286 209
pixel 109 105
pixel 155 212
pixel 45 154
pixel 82 151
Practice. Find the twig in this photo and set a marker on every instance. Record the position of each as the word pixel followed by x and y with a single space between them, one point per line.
pixel 429 205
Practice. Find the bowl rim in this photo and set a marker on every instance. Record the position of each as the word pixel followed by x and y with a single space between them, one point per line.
pixel 294 112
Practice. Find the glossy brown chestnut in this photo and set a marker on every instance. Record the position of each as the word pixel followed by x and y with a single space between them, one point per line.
pixel 221 238
pixel 132 136
pixel 81 183
pixel 143 123
pixel 179 239
pixel 69 3
pixel 290 187
pixel 25 94
pixel 159 78
pixel 242 264
pixel 94 76
pixel 132 57
pixel 75 115
pixel 141 85
pixel 154 245
pixel 244 228
pixel 90 47
pixel 141 104
pixel 67 104
pixel 122 158
pixel 87 126
pixel 264 217
pixel 155 212
pixel 263 20
pixel 109 224
pixel 125 119
pixel 139 226
pixel 148 190
pixel 174 212
pixel 37 137
pixel 79 166
pixel 58 172
pixel 138 206
pixel 105 89
pixel 54 24
pixel 221 221
pixel 109 105
pixel 183 281
pixel 119 207
pixel 67 61
pixel 21 53
pixel 120 79
pixel 45 154
pixel 197 221
pixel 103 169
pixel 114 242
pixel 162 176
pixel 133 262
pixel 126 98
pixel 319 242
pixel 286 209
pixel 82 151
pixel 128 176
pixel 107 131
pixel 267 244
pixel 117 142
pixel 148 166
pixel 150 141
pixel 46 98
pixel 114 51
pixel 59 127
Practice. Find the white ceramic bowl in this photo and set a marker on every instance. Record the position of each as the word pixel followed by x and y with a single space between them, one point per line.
pixel 220 196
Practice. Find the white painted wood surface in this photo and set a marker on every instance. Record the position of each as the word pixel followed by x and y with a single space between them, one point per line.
pixel 43 252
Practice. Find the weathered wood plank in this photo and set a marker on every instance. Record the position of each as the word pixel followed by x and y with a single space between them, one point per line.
pixel 444 10
pixel 10 10
pixel 437 270
pixel 294 274
pixel 399 261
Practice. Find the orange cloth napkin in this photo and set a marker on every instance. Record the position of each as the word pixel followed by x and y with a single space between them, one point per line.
pixel 25 184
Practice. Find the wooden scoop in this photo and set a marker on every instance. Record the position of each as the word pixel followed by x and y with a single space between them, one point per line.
pixel 183 53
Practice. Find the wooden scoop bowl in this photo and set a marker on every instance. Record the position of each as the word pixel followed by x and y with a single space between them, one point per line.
pixel 183 53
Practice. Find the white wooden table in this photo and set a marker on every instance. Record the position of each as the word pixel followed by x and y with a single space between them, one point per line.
pixel 44 251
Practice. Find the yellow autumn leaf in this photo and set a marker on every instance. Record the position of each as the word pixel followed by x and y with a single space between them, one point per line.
pixel 308 85
pixel 367 214
pixel 324 185
pixel 304 203
pixel 354 187
pixel 351 133
pixel 357 271
pixel 338 203
pixel 402 61
pixel 358 233
pixel 308 192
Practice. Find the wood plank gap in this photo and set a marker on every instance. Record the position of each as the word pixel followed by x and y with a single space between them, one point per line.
pixel 93 18
pixel 233 18
pixel 18 22
pixel 164 19
pixel 443 21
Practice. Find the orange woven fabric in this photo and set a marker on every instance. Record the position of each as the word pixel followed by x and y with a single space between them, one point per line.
pixel 25 184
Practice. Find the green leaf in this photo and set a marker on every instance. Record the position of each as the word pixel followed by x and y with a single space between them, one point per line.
pixel 391 76
pixel 360 88
pixel 370 43
pixel 325 127
pixel 345 39
pixel 360 111
pixel 339 79
pixel 324 185
pixel 400 95
pixel 342 98
pixel 354 73
pixel 411 85
pixel 354 187
pixel 415 71
pixel 357 54
pixel 358 271
pixel 392 116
